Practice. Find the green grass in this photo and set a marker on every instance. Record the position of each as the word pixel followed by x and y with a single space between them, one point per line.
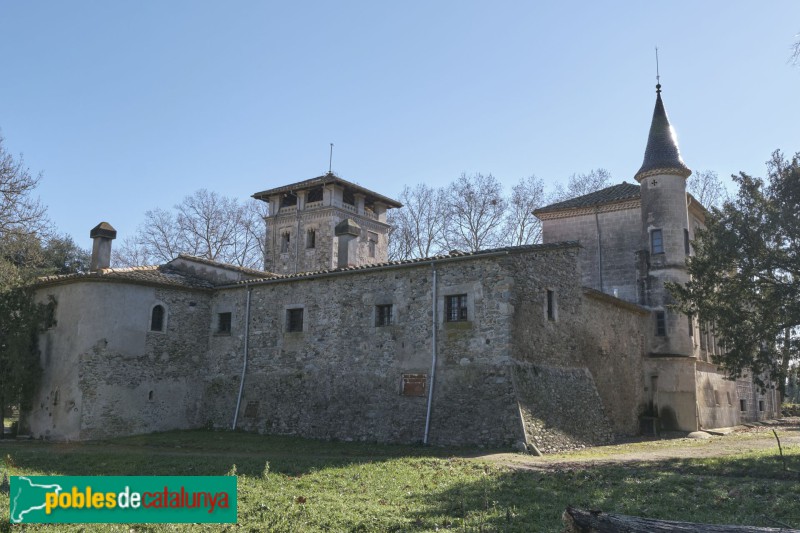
pixel 289 484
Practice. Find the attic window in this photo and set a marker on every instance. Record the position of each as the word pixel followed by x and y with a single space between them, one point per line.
pixel 656 242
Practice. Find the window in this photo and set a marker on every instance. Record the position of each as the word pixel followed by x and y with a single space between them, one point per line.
pixel 314 195
pixel 661 324
pixel 760 405
pixel 285 237
pixel 157 318
pixel 311 239
pixel 224 323
pixel 656 242
pixel 383 315
pixel 289 200
pixel 373 242
pixel 456 308
pixel 690 318
pixel 551 305
pixel 743 405
pixel 686 247
pixel 294 320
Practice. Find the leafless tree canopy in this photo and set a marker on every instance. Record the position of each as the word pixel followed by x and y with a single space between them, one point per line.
pixel 21 213
pixel 521 226
pixel 707 188
pixel 475 210
pixel 795 57
pixel 580 184
pixel 418 227
pixel 205 224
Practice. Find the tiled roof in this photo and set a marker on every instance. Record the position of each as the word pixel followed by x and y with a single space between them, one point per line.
pixel 662 153
pixel 615 193
pixel 455 254
pixel 146 275
pixel 330 177
pixel 226 266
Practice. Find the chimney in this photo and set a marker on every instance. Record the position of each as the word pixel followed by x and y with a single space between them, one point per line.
pixel 102 234
pixel 347 230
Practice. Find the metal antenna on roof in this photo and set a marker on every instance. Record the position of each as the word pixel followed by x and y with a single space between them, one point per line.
pixel 330 161
pixel 658 77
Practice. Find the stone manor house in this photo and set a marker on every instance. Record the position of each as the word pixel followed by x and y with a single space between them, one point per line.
pixel 555 345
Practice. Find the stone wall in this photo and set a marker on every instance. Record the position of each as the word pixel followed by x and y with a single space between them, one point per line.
pixel 106 374
pixel 614 253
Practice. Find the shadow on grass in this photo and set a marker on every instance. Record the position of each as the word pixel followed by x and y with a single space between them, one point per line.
pixel 754 492
pixel 204 452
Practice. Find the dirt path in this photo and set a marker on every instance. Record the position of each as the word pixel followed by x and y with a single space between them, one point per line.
pixel 740 441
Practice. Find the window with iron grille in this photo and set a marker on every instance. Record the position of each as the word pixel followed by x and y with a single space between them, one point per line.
pixel 656 242
pixel 383 315
pixel 456 308
pixel 294 320
pixel 224 323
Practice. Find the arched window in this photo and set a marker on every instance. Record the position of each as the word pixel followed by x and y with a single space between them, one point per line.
pixel 157 318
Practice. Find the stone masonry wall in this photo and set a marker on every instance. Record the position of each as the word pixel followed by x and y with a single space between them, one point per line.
pixel 106 374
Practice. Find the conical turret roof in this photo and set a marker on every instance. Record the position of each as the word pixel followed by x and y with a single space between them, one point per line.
pixel 662 155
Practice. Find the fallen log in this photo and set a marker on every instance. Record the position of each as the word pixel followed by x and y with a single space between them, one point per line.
pixel 580 521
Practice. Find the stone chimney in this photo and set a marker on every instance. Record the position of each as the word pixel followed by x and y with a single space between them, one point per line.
pixel 347 230
pixel 102 234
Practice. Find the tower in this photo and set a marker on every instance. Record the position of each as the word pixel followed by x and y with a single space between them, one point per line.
pixel 302 234
pixel 664 234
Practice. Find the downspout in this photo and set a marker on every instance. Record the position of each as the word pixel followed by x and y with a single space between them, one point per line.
pixel 244 364
pixel 599 248
pixel 433 355
pixel 297 237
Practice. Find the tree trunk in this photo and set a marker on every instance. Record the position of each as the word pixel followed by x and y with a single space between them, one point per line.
pixel 579 521
pixel 784 367
pixel 2 417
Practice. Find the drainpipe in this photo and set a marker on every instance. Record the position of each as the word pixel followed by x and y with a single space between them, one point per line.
pixel 244 364
pixel 433 355
pixel 599 248
pixel 297 236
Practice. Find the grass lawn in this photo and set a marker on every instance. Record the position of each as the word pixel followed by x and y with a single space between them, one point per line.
pixel 289 484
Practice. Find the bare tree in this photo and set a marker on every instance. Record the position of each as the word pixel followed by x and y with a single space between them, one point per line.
pixel 707 188
pixel 20 211
pixel 475 210
pixel 795 57
pixel 580 184
pixel 521 226
pixel 204 224
pixel 418 226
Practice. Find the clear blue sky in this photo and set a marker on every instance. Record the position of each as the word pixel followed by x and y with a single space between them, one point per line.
pixel 126 106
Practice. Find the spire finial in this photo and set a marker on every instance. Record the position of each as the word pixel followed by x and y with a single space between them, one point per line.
pixel 330 161
pixel 658 77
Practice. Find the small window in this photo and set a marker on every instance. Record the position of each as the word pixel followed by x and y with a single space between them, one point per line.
pixel 157 318
pixel 686 247
pixel 760 405
pixel 690 319
pixel 551 305
pixel 743 405
pixel 294 320
pixel 383 315
pixel 456 308
pixel 661 324
pixel 150 396
pixel 311 239
pixel 224 323
pixel 285 238
pixel 373 243
pixel 656 242
pixel 728 394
